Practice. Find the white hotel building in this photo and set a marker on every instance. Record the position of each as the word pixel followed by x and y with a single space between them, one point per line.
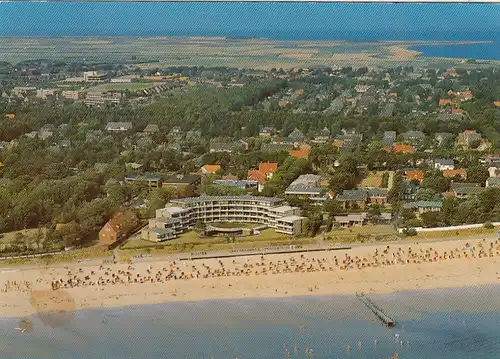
pixel 182 214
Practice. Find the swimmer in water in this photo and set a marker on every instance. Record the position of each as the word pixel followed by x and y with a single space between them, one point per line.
pixel 348 348
pixel 375 342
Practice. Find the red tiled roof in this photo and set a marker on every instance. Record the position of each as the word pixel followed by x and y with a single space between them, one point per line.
pixel 400 148
pixel 299 153
pixel 452 173
pixel 268 167
pixel 445 101
pixel 415 175
pixel 211 168
pixel 123 221
pixel 256 175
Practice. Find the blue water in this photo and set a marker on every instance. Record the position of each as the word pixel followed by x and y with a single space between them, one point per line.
pixel 470 51
pixel 467 328
pixel 285 21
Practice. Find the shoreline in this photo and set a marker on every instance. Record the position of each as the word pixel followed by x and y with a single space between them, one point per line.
pixel 379 269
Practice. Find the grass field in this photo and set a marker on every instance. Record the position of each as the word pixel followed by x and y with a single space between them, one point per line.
pixel 191 241
pixel 462 233
pixel 28 236
pixel 372 179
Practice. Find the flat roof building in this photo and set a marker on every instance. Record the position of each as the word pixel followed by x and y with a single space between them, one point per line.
pixel 182 214
pixel 95 76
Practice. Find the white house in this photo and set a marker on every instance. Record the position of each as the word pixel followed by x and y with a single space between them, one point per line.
pixel 444 164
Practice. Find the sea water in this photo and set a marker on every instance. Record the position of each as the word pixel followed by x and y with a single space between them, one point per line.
pixel 458 324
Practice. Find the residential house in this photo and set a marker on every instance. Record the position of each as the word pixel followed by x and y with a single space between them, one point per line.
pixel 118 126
pixel 415 138
pixel 445 102
pixel 353 198
pixel 493 182
pixel 181 180
pixel 461 172
pixel 259 177
pixel 118 227
pixel 308 186
pixel 322 136
pixel 241 184
pixel 210 169
pixel 414 175
pixel 151 129
pixel 268 168
pixel 466 190
pixel 377 196
pixel 410 191
pixel 296 136
pixel 302 152
pixel 267 131
pixel 360 88
pixel 444 164
pixel 400 149
pixel 227 145
pixel 420 207
pixel 440 137
pixel 46 131
pixel 466 138
pixel 350 220
pixel 151 180
pixel 348 141
pixel 335 107
pixel 389 139
pixel 277 146
pixel 176 131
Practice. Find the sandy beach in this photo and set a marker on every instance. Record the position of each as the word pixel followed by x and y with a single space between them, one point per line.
pixel 372 269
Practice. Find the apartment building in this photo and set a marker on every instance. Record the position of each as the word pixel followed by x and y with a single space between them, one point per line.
pixel 182 214
pixel 73 95
pixel 95 76
pixel 103 98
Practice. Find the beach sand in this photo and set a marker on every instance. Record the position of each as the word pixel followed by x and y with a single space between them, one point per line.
pixel 371 269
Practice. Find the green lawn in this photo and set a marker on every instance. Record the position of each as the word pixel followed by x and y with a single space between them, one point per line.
pixel 191 241
pixel 234 224
pixel 28 236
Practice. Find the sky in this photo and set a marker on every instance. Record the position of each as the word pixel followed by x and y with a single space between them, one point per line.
pixel 245 19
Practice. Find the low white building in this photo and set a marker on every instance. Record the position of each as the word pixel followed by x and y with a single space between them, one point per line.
pixel 444 164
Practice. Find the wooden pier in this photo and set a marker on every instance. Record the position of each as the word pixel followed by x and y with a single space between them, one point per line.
pixel 387 320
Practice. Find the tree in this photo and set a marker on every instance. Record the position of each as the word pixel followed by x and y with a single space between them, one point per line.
pixel 477 174
pixel 436 181
pixel 427 194
pixel 431 219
